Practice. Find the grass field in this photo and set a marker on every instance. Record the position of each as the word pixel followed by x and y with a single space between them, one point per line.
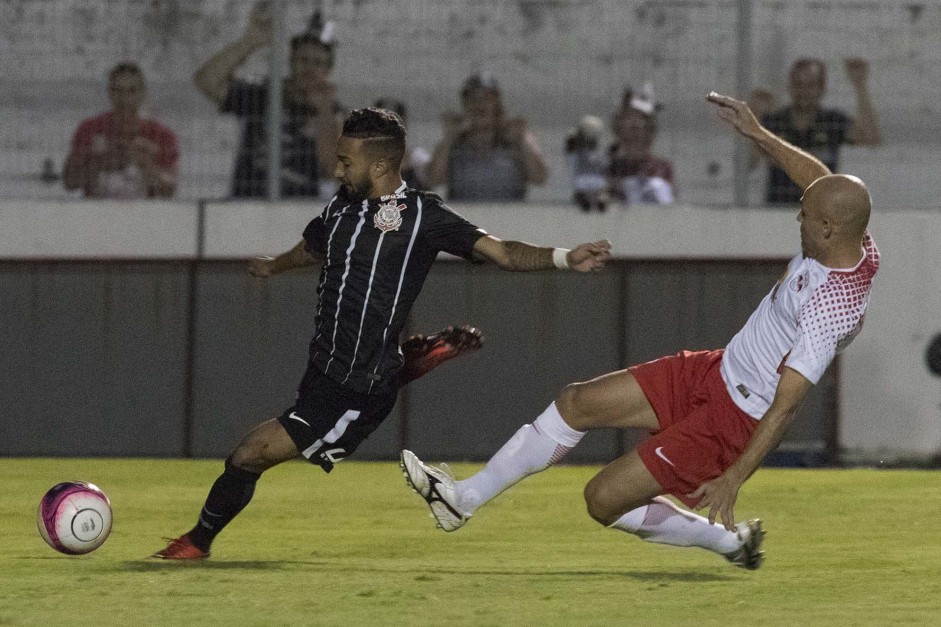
pixel 853 547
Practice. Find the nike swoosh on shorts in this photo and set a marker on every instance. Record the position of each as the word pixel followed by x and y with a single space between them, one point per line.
pixel 659 453
pixel 299 419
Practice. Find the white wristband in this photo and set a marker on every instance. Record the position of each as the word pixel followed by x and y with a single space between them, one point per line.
pixel 560 258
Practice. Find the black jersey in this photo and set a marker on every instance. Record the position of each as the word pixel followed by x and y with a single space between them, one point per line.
pixel 823 140
pixel 378 253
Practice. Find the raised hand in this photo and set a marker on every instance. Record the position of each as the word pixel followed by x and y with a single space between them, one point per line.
pixel 857 70
pixel 736 113
pixel 260 27
pixel 590 256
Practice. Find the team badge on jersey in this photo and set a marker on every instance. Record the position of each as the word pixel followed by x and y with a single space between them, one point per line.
pixel 389 216
pixel 800 283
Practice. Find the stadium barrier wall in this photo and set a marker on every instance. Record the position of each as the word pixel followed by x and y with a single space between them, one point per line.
pixel 132 329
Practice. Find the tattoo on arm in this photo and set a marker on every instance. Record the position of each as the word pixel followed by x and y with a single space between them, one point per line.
pixel 525 257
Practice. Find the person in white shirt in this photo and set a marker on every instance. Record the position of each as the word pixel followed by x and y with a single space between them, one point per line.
pixel 714 415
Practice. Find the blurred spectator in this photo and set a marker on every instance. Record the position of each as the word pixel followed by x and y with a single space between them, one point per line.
pixel 483 154
pixel 636 175
pixel 588 164
pixel 809 126
pixel 309 126
pixel 120 153
pixel 416 158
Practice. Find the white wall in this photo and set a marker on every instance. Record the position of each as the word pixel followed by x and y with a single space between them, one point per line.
pixel 890 404
pixel 46 229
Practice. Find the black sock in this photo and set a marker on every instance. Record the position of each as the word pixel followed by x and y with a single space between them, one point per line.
pixel 229 495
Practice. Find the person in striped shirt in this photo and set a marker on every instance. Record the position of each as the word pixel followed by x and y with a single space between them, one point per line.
pixel 377 240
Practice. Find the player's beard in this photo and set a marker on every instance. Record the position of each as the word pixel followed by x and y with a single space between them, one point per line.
pixel 357 191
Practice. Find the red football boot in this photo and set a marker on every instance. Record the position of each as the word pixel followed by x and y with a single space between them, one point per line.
pixel 182 549
pixel 425 353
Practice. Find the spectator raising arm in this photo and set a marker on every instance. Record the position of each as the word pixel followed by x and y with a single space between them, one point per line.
pixel 213 77
pixel 865 128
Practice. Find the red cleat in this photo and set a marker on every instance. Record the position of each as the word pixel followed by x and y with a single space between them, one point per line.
pixel 182 549
pixel 425 353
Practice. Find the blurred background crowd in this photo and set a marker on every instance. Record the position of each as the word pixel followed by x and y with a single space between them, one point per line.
pixel 592 105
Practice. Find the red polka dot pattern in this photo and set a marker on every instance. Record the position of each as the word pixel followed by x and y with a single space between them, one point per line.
pixel 834 315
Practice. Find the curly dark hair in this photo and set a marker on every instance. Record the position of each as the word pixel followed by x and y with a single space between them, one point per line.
pixel 382 129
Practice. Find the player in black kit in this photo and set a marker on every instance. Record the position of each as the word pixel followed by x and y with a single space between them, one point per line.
pixel 377 240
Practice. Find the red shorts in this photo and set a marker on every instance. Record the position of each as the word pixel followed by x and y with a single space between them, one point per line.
pixel 702 432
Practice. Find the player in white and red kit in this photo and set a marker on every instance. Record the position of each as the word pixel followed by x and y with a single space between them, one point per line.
pixel 714 415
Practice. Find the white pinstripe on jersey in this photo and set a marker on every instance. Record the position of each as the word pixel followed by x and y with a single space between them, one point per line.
pixel 398 290
pixel 323 276
pixel 362 317
pixel 346 272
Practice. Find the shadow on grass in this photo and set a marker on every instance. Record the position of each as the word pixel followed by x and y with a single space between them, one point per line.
pixel 648 576
pixel 145 566
pixel 431 573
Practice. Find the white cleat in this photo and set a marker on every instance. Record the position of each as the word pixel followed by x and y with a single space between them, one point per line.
pixel 437 487
pixel 749 555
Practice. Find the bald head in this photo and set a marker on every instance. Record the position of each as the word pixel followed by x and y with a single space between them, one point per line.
pixel 843 201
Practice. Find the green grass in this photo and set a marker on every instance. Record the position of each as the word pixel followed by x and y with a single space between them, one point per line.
pixel 357 548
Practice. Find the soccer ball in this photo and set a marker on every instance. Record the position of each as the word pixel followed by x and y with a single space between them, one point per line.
pixel 74 517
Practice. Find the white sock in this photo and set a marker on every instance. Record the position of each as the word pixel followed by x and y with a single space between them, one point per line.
pixel 663 522
pixel 533 448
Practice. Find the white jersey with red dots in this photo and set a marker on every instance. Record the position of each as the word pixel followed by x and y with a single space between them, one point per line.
pixel 813 313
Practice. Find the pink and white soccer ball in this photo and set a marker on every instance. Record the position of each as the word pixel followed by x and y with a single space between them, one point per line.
pixel 74 517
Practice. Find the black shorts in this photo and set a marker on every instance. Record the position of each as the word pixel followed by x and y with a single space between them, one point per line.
pixel 328 422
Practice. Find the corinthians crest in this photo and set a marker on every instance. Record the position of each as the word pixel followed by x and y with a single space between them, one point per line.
pixel 389 216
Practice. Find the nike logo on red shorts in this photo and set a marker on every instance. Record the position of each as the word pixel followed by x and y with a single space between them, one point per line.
pixel 659 453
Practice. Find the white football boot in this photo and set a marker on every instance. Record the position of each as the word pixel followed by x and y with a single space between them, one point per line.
pixel 436 486
pixel 749 555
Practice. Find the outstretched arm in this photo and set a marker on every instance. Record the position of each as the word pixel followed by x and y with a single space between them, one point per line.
pixel 803 168
pixel 761 103
pixel 719 495
pixel 213 77
pixel 297 257
pixel 523 257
